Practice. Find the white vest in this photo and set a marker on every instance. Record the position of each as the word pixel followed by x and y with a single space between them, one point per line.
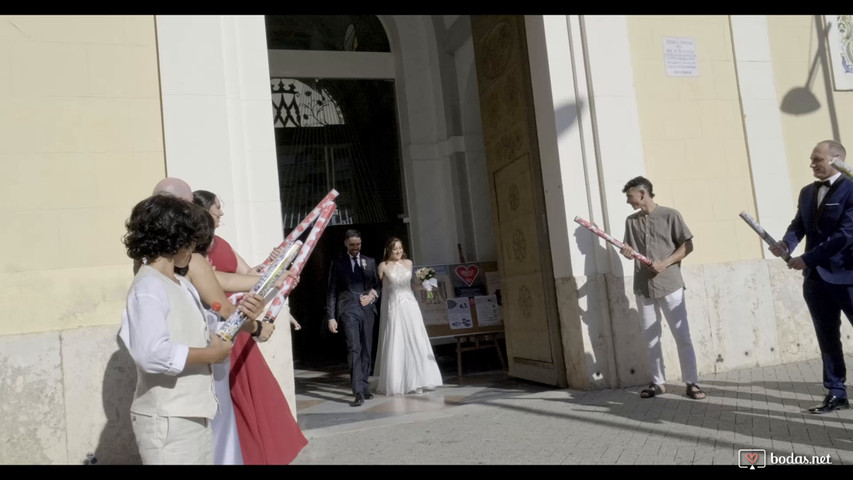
pixel 191 392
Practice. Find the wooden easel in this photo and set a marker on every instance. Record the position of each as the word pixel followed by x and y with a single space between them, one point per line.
pixel 469 342
pixel 474 341
pixel 476 337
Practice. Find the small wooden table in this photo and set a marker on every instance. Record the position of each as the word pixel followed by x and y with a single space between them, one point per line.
pixel 474 341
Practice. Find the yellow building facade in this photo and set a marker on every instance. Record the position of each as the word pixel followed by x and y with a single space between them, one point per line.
pixel 97 109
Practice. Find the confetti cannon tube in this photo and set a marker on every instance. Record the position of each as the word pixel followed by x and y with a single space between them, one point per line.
pixel 305 224
pixel 323 220
pixel 841 166
pixel 761 232
pixel 610 239
pixel 228 329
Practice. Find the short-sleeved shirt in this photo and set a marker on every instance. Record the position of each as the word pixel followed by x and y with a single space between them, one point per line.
pixel 656 235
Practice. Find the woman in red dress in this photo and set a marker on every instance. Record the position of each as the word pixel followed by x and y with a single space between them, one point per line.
pixel 268 433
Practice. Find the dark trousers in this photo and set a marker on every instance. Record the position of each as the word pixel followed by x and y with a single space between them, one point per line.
pixel 358 329
pixel 826 301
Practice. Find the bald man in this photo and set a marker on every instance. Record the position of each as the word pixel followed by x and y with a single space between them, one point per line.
pixel 825 218
pixel 175 187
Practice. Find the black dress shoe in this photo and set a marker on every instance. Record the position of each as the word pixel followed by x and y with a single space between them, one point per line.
pixel 359 400
pixel 368 396
pixel 830 403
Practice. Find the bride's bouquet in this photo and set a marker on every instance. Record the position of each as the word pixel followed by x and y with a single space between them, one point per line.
pixel 426 275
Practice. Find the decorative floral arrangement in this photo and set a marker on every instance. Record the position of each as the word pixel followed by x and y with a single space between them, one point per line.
pixel 426 275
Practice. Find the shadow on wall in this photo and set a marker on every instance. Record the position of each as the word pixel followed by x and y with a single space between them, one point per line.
pixel 600 368
pixel 117 444
pixel 801 100
pixel 618 356
pixel 630 345
pixel 566 115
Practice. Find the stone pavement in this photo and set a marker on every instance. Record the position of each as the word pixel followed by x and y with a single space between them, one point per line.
pixel 489 418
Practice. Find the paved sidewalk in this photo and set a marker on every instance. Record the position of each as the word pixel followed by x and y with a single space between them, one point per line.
pixel 489 418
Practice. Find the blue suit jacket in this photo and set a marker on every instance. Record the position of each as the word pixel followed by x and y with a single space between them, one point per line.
pixel 828 231
pixel 341 296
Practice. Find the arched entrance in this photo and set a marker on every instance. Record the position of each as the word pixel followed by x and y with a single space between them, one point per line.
pixel 335 114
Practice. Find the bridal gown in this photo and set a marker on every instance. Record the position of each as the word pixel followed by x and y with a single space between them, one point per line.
pixel 405 361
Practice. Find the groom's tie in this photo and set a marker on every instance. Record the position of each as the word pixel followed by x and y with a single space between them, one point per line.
pixel 356 280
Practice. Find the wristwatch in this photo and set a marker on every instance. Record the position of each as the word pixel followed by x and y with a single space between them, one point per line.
pixel 258 328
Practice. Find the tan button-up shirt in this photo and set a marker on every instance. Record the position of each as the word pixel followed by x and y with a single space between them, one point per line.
pixel 656 235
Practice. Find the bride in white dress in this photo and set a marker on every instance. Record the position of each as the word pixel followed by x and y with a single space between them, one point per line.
pixel 405 362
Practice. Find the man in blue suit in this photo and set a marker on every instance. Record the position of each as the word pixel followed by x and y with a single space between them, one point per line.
pixel 825 217
pixel 351 299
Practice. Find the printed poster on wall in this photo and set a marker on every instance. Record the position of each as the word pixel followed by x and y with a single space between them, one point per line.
pixel 679 54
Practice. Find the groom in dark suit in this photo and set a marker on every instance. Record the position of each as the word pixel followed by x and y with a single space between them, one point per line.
pixel 352 300
pixel 825 217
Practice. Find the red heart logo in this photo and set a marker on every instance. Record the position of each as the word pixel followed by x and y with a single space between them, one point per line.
pixel 467 273
pixel 751 457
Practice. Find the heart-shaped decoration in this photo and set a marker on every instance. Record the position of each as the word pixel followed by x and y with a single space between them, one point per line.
pixel 467 273
pixel 751 457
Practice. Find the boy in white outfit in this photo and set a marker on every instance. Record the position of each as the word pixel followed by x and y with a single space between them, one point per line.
pixel 165 329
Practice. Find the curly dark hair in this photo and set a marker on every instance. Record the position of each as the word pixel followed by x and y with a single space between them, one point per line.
pixel 389 245
pixel 162 225
pixel 204 236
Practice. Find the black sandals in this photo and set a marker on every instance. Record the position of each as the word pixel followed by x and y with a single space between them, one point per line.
pixel 652 391
pixel 694 392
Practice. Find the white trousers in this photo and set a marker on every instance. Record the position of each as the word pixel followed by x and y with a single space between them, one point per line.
pixel 675 311
pixel 173 440
pixel 226 441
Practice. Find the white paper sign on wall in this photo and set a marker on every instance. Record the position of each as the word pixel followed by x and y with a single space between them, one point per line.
pixel 679 54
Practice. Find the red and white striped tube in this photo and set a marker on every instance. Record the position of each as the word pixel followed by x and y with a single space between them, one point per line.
pixel 228 329
pixel 610 239
pixel 323 220
pixel 305 224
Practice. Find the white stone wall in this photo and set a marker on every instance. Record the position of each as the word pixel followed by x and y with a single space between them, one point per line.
pixel 219 136
pixel 66 394
pixel 741 314
pixel 743 311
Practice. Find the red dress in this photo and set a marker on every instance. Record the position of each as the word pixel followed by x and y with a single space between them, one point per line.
pixel 269 435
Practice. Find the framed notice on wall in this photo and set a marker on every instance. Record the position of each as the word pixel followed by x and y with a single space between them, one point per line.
pixel 466 301
pixel 679 55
